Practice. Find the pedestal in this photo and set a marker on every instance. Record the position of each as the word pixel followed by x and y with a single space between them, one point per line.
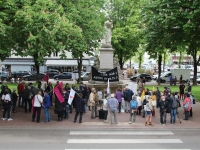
pixel 106 59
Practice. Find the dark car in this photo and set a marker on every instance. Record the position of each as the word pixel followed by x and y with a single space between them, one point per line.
pixel 64 75
pixel 4 76
pixel 20 74
pixel 141 76
pixel 33 77
pixel 52 73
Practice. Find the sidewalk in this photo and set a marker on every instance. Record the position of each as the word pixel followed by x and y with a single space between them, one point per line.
pixel 22 119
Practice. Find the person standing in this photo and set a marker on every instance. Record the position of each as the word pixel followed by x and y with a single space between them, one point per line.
pixel 163 108
pixel 6 105
pixel 50 91
pixel 191 103
pixel 14 98
pixel 112 105
pixel 149 114
pixel 139 105
pixel 20 89
pixel 153 102
pixel 105 109
pixel 79 107
pixel 26 92
pixel 46 105
pixel 133 110
pixel 181 91
pixel 175 80
pixel 158 96
pixel 66 97
pixel 187 102
pixel 15 77
pixel 181 79
pixel 37 104
pixel 119 96
pixel 85 94
pixel 171 80
pixel 174 105
pixel 92 102
pixel 60 107
pixel 127 97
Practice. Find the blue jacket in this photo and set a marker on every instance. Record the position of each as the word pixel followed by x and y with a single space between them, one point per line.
pixel 47 101
pixel 128 95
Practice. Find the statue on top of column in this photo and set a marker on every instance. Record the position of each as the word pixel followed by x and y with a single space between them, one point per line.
pixel 106 42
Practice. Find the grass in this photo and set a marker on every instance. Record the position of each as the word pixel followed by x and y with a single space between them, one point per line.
pixel 195 90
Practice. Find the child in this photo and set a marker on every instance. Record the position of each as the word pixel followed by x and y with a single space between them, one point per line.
pixel 133 110
pixel 14 99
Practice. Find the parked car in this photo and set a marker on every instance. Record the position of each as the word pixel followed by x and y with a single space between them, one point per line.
pixel 21 73
pixel 64 75
pixel 155 77
pixel 33 77
pixel 85 76
pixel 3 76
pixel 147 77
pixel 52 72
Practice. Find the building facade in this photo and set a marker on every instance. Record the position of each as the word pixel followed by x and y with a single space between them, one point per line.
pixel 17 63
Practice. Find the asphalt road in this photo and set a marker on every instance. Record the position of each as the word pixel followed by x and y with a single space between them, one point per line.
pixel 122 139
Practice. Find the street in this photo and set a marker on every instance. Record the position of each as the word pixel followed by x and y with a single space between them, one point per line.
pixel 87 139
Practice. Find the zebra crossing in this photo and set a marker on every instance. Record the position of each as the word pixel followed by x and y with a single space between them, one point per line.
pixel 92 140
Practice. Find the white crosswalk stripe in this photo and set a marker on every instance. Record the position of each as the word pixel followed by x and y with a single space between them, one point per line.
pixel 121 133
pixel 152 141
pixel 166 139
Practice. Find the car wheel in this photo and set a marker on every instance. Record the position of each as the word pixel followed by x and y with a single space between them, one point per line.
pixel 26 79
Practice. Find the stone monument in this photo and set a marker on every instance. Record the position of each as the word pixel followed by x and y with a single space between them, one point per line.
pixel 107 62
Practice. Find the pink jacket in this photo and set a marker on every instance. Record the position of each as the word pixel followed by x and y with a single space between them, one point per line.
pixel 187 99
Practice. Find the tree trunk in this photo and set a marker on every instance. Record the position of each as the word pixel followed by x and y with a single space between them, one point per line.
pixel 121 60
pixel 37 65
pixel 196 62
pixel 159 67
pixel 80 64
pixel 164 62
pixel 130 63
pixel 140 60
pixel 180 59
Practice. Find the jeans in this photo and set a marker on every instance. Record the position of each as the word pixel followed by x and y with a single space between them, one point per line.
pixel 163 117
pixel 38 110
pixel 157 102
pixel 139 110
pixel 113 117
pixel 173 116
pixel 127 106
pixel 66 111
pixel 19 101
pixel 105 114
pixel 80 117
pixel 132 117
pixel 47 115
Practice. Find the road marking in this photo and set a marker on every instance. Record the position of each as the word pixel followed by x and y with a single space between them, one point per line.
pixel 121 133
pixel 110 141
pixel 128 149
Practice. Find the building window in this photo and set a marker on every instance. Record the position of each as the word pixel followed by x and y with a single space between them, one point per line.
pixel 55 54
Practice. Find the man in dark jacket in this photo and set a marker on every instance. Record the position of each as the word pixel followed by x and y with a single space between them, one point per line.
pixel 66 97
pixel 46 104
pixel 79 107
pixel 163 108
pixel 26 97
pixel 158 96
pixel 127 97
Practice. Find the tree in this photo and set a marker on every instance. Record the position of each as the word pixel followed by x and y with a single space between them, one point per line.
pixel 87 15
pixel 173 24
pixel 125 36
pixel 42 28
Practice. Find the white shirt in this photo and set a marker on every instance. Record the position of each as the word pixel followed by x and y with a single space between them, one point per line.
pixel 6 97
pixel 37 100
pixel 105 104
pixel 138 101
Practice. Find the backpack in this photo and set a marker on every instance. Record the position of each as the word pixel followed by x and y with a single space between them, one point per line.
pixel 186 106
pixel 133 104
pixel 174 103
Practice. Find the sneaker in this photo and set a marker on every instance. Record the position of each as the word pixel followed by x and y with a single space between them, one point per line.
pixel 10 119
pixel 129 122
pixel 4 118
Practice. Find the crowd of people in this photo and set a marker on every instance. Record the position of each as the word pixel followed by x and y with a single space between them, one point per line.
pixel 141 103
